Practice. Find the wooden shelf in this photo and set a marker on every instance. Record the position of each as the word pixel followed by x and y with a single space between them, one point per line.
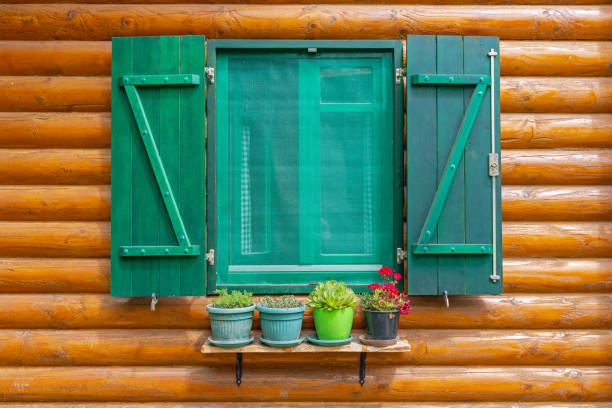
pixel 305 347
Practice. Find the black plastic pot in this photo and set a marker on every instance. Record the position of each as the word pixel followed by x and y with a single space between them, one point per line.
pixel 382 325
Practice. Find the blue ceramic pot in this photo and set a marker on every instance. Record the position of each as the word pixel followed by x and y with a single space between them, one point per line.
pixel 281 324
pixel 231 324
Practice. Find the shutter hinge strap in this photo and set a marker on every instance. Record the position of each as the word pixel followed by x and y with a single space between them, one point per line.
pixel 210 74
pixel 399 74
pixel 210 257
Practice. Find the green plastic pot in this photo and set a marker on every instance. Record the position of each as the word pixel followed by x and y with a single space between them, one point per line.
pixel 231 324
pixel 333 324
pixel 281 324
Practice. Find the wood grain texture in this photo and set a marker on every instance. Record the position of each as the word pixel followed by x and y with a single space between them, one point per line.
pixel 55 203
pixel 553 275
pixel 55 94
pixel 34 130
pixel 56 275
pixel 561 239
pixel 546 131
pixel 570 166
pixel 92 275
pixel 269 383
pixel 556 95
pixel 400 2
pixel 54 239
pixel 404 404
pixel 557 203
pixel 520 311
pixel 556 58
pixel 101 22
pixel 181 347
pixel 518 58
pixel 55 58
pixel 55 166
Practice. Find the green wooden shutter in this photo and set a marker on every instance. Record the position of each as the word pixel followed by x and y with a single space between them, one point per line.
pixel 158 171
pixel 450 192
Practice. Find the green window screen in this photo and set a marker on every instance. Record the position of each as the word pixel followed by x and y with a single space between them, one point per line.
pixel 304 167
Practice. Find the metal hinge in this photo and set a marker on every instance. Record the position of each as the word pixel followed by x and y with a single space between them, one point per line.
pixel 399 74
pixel 210 74
pixel 210 256
pixel 493 164
pixel 401 255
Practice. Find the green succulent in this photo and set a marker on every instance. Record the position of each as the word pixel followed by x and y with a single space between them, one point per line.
pixel 332 295
pixel 233 300
pixel 282 302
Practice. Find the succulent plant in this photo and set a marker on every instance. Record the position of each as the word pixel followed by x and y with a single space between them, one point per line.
pixel 332 295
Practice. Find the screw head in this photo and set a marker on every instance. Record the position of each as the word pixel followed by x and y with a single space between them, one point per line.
pixel 428 233
pixel 126 80
pixel 427 77
pixel 166 79
pixel 481 79
pixel 145 132
pixel 125 251
pixel 425 249
pixel 451 79
pixel 186 78
pixel 479 92
pixel 482 249
pixel 143 79
pixel 142 251
pixel 452 167
pixel 166 251
pixel 452 249
pixel 186 250
pixel 166 193
pixel 182 237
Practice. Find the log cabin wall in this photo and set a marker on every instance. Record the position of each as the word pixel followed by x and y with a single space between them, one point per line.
pixel 546 341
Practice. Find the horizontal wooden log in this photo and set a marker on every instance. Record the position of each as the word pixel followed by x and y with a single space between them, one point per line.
pixel 32 94
pixel 521 275
pixel 555 58
pixel 55 58
pixel 182 347
pixel 570 166
pixel 92 203
pixel 546 131
pixel 55 239
pixel 274 383
pixel 401 2
pixel 55 166
pixel 54 275
pixel 404 404
pixel 101 22
pixel 557 203
pixel 92 239
pixel 518 58
pixel 55 203
pixel 556 95
pixel 518 94
pixel 92 166
pixel 90 311
pixel 92 130
pixel 552 275
pixel 561 239
pixel 54 130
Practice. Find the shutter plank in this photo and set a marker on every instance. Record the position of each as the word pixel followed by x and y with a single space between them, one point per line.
pixel 421 153
pixel 450 112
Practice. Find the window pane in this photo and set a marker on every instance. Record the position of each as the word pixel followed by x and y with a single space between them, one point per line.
pixel 346 84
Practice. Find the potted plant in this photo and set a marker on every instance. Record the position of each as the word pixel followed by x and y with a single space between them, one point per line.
pixel 281 320
pixel 231 318
pixel 333 307
pixel 383 306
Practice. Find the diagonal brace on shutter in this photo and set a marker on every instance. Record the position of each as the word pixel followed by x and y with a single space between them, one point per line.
pixel 129 83
pixel 422 247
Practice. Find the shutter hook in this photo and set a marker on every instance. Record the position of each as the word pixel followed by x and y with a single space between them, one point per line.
pixel 153 302
pixel 446 298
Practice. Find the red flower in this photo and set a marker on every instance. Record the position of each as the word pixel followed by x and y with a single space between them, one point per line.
pixel 374 286
pixel 397 276
pixel 385 270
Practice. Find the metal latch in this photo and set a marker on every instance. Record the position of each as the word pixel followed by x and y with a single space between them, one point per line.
pixel 153 302
pixel 210 74
pixel 493 164
pixel 399 74
pixel 210 257
pixel 401 255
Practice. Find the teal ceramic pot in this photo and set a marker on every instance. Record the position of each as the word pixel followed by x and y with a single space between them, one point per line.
pixel 231 324
pixel 281 324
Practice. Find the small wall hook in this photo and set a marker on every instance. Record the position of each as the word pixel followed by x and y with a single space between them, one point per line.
pixel 446 298
pixel 153 302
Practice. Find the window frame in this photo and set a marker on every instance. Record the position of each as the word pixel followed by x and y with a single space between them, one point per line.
pixel 396 50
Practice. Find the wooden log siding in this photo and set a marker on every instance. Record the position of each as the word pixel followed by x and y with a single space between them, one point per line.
pixel 548 338
pixel 101 22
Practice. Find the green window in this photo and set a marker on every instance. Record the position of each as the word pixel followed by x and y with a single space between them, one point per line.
pixel 306 170
pixel 294 172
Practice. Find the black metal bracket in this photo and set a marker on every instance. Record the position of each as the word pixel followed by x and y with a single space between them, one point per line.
pixel 238 369
pixel 362 367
